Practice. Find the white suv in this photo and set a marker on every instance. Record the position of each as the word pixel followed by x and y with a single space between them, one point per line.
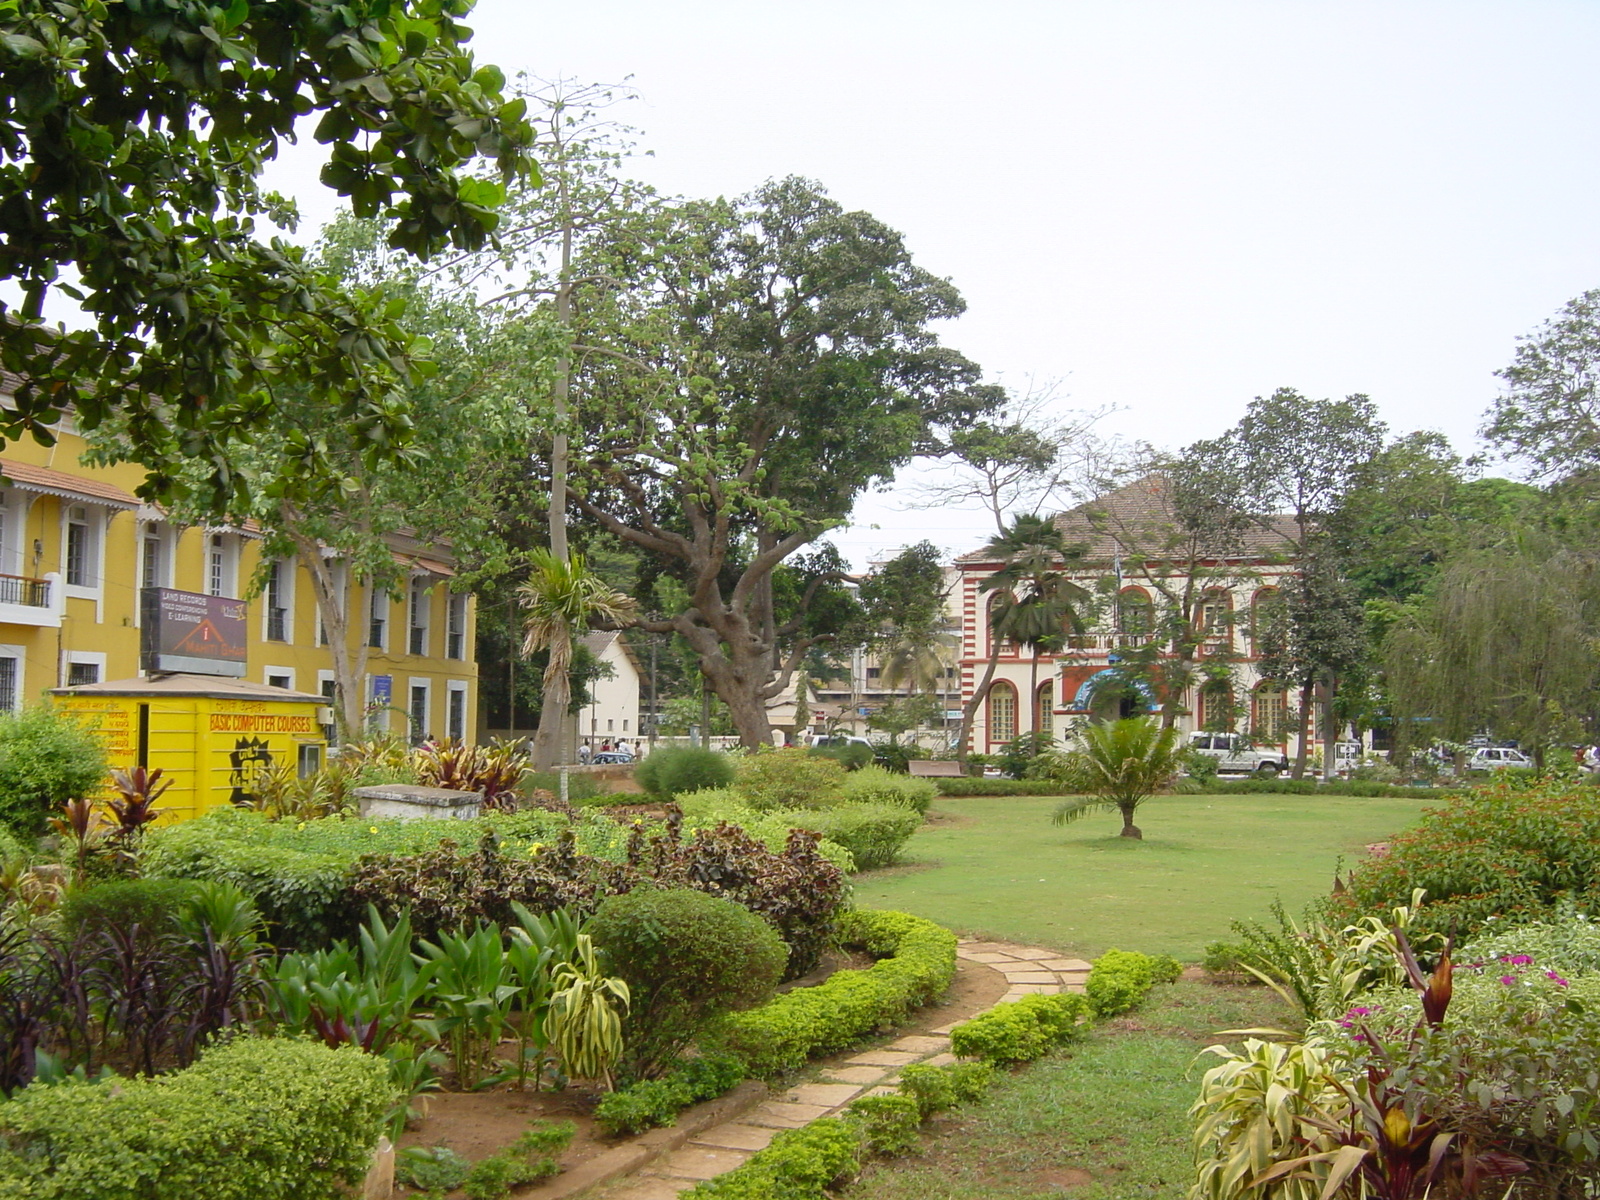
pixel 1235 756
pixel 1497 758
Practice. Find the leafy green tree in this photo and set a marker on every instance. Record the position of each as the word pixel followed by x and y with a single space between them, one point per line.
pixel 1120 765
pixel 906 598
pixel 767 360
pixel 132 139
pixel 47 758
pixel 562 598
pixel 1506 641
pixel 1549 415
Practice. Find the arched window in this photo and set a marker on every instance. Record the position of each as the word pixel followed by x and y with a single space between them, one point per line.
pixel 1002 713
pixel 1269 712
pixel 1006 645
pixel 1214 707
pixel 1044 702
pixel 1216 620
pixel 1266 614
pixel 1137 613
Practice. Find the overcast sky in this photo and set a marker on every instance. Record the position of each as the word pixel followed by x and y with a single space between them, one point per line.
pixel 1168 208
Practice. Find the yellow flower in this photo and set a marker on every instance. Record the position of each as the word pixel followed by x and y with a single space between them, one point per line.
pixel 535 847
pixel 299 827
pixel 372 829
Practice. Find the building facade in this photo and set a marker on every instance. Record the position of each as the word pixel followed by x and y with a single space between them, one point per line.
pixel 1139 567
pixel 77 546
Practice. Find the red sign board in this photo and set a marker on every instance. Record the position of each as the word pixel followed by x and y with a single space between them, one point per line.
pixel 186 631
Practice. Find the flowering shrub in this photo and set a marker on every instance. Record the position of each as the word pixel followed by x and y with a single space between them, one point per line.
pixel 1499 851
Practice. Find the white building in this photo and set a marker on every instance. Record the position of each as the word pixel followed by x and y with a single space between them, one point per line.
pixel 612 714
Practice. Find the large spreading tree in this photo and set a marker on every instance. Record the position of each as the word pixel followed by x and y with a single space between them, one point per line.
pixel 756 366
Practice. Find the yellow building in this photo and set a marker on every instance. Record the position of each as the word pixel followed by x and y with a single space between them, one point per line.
pixel 77 546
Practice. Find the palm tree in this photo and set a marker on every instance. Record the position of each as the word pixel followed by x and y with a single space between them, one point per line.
pixel 563 597
pixel 1120 765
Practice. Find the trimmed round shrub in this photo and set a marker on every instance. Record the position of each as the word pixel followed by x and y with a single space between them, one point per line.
pixel 873 833
pixel 46 758
pixel 687 957
pixel 875 785
pixel 673 770
pixel 852 756
pixel 777 779
pixel 154 905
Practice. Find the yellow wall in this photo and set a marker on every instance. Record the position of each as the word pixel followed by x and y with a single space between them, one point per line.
pixel 101 622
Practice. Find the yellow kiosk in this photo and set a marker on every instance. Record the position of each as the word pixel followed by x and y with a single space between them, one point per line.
pixel 191 714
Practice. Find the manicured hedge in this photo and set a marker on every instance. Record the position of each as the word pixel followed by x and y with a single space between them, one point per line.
pixel 1022 1030
pixel 1119 979
pixel 873 833
pixel 1363 788
pixel 1000 787
pixel 917 960
pixel 253 1119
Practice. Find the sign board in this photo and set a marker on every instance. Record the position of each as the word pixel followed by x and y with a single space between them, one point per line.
pixel 383 689
pixel 185 631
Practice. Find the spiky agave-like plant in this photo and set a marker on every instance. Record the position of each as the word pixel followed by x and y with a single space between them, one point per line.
pixel 1120 765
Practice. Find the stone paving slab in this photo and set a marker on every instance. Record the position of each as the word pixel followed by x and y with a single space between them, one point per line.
pixel 1016 977
pixel 1067 964
pixel 829 1095
pixel 1018 990
pixel 884 1058
pixel 1025 952
pixel 940 1060
pixel 860 1076
pixel 652 1188
pixel 697 1162
pixel 736 1135
pixel 782 1115
pixel 920 1044
pixel 987 956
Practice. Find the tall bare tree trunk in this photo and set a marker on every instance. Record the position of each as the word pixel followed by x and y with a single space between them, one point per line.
pixel 1304 732
pixel 333 607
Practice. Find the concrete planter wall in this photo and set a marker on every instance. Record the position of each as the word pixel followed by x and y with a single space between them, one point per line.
pixel 409 802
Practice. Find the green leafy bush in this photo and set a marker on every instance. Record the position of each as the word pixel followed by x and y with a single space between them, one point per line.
pixel 852 756
pixel 1359 788
pixel 152 904
pixel 431 1168
pixel 534 1156
pixel 873 833
pixel 1568 943
pixel 874 785
pixel 1022 1030
pixel 580 787
pixel 707 809
pixel 654 1102
pixel 673 770
pixel 687 957
pixel 938 1088
pixel 1225 958
pixel 790 779
pixel 888 1124
pixel 917 960
pixel 611 800
pixel 1120 979
pixel 800 1164
pixel 47 757
pixel 1493 852
pixel 253 1119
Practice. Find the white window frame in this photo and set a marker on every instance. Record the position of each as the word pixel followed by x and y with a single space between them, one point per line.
pixel 225 574
pixel 286 583
pixel 412 685
pixel 324 680
pixel 456 611
pixel 268 672
pixel 453 688
pixel 19 655
pixel 94 522
pixel 85 658
pixel 12 523
pixel 376 595
pixel 419 602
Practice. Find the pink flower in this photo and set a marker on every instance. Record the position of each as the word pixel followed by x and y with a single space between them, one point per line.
pixel 1517 960
pixel 1509 980
pixel 1560 982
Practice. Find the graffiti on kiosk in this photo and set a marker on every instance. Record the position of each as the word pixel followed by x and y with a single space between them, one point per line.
pixel 248 758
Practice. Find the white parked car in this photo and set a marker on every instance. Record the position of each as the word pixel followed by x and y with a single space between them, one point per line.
pixel 1497 758
pixel 1236 756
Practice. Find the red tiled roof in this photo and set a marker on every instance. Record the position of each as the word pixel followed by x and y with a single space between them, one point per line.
pixel 70 487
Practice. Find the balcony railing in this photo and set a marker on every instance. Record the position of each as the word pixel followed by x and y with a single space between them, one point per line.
pixel 1104 642
pixel 18 589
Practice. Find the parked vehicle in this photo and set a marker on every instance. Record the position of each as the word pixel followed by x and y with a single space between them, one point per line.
pixel 1236 756
pixel 837 740
pixel 1497 758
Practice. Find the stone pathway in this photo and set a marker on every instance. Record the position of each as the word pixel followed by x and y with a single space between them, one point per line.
pixel 724 1147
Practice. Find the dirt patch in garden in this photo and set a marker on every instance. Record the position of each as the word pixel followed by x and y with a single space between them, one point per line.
pixel 1064 1178
pixel 947 820
pixel 479 1124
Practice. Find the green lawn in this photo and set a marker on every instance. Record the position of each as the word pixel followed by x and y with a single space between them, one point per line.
pixel 1105 1120
pixel 996 866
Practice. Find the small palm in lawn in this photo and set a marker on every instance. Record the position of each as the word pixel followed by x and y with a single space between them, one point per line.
pixel 1120 765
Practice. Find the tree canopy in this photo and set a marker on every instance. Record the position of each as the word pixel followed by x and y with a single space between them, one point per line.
pixel 132 140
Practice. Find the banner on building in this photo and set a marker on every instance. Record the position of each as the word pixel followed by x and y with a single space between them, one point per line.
pixel 186 631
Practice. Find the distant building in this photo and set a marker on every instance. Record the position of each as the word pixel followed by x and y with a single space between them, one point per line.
pixel 612 714
pixel 1140 565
